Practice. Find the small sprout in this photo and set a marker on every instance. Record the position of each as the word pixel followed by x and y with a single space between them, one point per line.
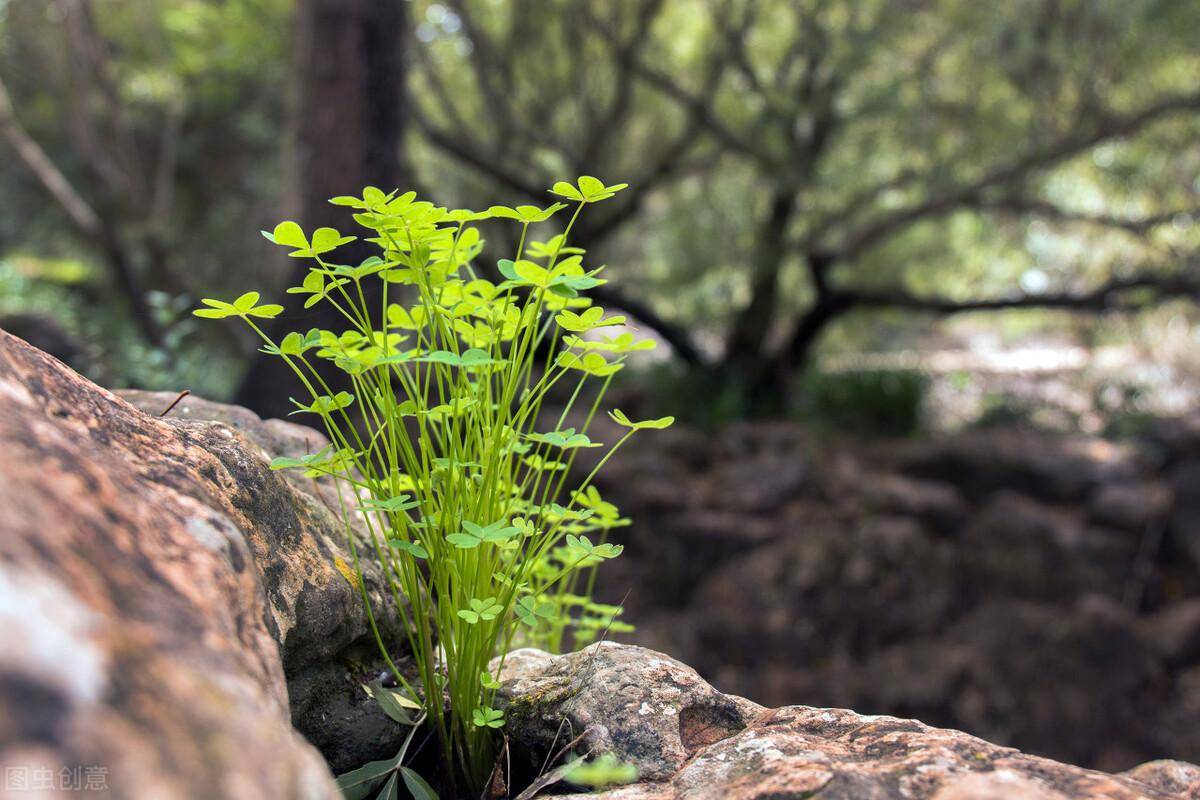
pixel 437 422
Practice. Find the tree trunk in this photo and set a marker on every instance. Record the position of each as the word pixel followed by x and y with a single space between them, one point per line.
pixel 347 126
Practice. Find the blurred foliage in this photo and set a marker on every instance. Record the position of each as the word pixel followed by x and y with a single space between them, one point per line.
pixel 867 402
pixel 789 160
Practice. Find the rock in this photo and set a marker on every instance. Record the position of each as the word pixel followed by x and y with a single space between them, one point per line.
pixel 1053 469
pixel 1022 547
pixel 298 543
pixel 689 740
pixel 1174 632
pixel 656 712
pixel 831 587
pixel 48 335
pixel 138 635
pixel 761 485
pixel 166 598
pixel 1129 506
pixel 935 502
pixel 1168 776
pixel 1185 514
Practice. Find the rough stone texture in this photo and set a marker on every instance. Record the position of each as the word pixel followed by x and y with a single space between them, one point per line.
pixel 656 712
pixel 1169 776
pixel 325 641
pixel 1036 590
pixel 151 574
pixel 690 741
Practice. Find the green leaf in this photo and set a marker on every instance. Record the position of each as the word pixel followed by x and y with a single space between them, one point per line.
pixel 472 358
pixel 564 189
pixel 589 319
pixel 412 548
pixel 391 505
pixel 590 186
pixel 218 309
pixel 358 783
pixel 508 269
pixel 417 786
pixel 619 417
pixel 587 189
pixel 526 214
pixel 487 718
pixel 325 404
pixel 288 234
pixel 463 541
pixel 246 302
pixel 530 611
pixel 567 439
pixel 390 790
pixel 327 239
pixel 393 702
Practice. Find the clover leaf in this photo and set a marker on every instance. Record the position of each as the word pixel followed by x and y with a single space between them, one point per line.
pixel 325 404
pixel 391 505
pixel 619 417
pixel 530 610
pixel 586 189
pixel 487 718
pixel 474 535
pixel 526 214
pixel 589 319
pixel 469 359
pixel 486 609
pixel 567 439
pixel 244 306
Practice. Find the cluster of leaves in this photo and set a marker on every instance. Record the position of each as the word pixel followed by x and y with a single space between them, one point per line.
pixel 461 488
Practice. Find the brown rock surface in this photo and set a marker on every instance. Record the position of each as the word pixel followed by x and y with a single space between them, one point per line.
pixel 690 741
pixel 1030 588
pixel 151 573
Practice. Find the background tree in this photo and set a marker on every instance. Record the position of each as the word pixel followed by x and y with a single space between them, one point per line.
pixel 138 138
pixel 346 127
pixel 870 147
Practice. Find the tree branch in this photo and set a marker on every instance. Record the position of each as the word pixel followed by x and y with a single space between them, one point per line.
pixel 52 179
pixel 81 213
pixel 1041 208
pixel 1117 294
pixel 951 199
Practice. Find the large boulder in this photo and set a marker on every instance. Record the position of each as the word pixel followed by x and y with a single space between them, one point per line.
pixel 690 741
pixel 298 540
pixel 152 574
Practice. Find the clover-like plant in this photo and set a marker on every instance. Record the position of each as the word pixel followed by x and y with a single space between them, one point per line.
pixel 449 477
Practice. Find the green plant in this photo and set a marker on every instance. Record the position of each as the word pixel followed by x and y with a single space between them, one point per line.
pixel 466 504
pixel 878 401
